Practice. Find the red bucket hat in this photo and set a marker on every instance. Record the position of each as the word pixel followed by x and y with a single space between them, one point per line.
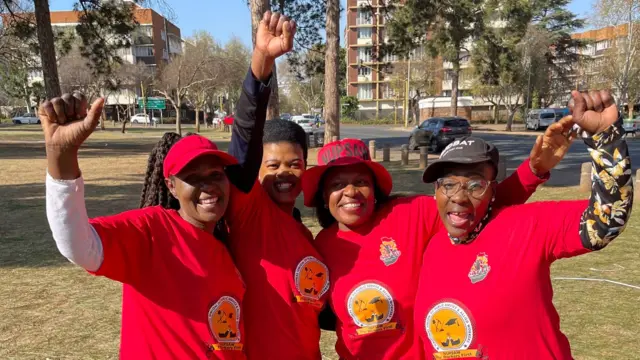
pixel 343 153
pixel 188 149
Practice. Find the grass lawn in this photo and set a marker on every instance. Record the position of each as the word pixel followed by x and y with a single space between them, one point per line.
pixel 52 309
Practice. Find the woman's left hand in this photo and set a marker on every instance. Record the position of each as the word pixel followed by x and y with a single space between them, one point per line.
pixel 595 111
pixel 551 147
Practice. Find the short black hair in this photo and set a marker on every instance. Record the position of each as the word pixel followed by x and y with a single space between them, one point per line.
pixel 278 130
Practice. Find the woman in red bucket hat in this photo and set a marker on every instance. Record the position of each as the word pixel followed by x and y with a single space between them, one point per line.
pixel 372 243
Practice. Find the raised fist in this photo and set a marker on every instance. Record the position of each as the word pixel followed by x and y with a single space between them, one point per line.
pixel 595 111
pixel 275 33
pixel 66 123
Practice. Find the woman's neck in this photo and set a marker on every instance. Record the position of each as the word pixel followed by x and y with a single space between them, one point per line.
pixel 208 228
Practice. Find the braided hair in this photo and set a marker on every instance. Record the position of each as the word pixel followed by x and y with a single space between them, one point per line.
pixel 155 191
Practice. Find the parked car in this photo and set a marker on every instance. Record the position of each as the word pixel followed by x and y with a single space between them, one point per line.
pixel 285 116
pixel 631 126
pixel 28 118
pixel 142 119
pixel 541 118
pixel 308 124
pixel 438 132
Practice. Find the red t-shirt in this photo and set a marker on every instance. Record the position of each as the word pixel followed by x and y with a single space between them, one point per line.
pixel 493 297
pixel 374 272
pixel 182 293
pixel 286 279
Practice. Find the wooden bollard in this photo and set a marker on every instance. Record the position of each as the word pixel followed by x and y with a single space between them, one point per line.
pixel 424 157
pixel 404 155
pixel 636 192
pixel 502 169
pixel 315 139
pixel 334 138
pixel 386 153
pixel 585 177
pixel 372 149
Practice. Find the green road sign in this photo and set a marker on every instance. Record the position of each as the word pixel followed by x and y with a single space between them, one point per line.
pixel 153 103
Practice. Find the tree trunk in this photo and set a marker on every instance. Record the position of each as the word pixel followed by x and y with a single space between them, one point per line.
pixel 512 114
pixel 630 106
pixel 331 64
pixel 48 60
pixel 455 77
pixel 496 114
pixel 176 106
pixel 103 118
pixel 197 119
pixel 124 126
pixel 416 112
pixel 273 111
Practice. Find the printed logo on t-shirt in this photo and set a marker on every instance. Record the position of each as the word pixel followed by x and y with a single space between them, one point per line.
pixel 480 268
pixel 450 331
pixel 389 252
pixel 371 307
pixel 224 323
pixel 312 280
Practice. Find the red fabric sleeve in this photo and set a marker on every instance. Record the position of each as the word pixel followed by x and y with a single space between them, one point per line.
pixel 518 188
pixel 126 244
pixel 557 225
pixel 243 208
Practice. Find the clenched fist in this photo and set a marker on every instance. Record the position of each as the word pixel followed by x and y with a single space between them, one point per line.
pixel 274 36
pixel 66 123
pixel 595 111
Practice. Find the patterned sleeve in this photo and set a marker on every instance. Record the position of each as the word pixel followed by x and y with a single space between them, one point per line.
pixel 611 190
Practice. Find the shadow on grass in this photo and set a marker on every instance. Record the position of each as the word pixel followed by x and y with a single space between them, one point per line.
pixel 25 238
pixel 92 148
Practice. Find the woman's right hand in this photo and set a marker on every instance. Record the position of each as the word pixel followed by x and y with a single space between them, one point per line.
pixel 66 125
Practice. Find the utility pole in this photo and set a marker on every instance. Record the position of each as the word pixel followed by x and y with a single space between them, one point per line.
pixel 144 98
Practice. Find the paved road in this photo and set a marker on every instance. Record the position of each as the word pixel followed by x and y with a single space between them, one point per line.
pixel 515 147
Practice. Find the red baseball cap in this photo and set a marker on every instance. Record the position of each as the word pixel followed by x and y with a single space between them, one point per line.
pixel 188 149
pixel 342 153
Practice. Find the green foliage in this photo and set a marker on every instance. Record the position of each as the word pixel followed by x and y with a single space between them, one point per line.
pixel 350 106
pixel 104 27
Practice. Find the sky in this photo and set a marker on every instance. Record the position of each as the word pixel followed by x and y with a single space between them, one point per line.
pixel 235 20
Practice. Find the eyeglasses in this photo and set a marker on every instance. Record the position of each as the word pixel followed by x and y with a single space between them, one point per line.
pixel 475 188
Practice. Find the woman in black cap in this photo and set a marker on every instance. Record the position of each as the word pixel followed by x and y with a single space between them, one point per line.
pixel 485 288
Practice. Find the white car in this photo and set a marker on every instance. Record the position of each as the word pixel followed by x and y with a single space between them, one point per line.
pixel 27 118
pixel 142 119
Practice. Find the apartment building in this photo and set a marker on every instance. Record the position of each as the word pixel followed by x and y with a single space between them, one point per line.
pixel 152 43
pixel 367 78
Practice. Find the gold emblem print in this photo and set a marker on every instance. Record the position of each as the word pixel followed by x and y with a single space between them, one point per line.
pixel 312 280
pixel 371 307
pixel 224 323
pixel 450 331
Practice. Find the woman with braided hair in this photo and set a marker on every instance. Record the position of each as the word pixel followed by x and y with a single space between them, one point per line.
pixel 155 191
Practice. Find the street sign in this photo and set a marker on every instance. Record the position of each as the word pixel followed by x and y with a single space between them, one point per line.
pixel 153 103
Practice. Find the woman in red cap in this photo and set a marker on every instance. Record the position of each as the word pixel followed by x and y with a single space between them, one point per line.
pixel 182 293
pixel 489 296
pixel 373 244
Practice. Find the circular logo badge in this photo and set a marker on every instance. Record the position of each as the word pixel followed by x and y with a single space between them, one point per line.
pixel 370 304
pixel 449 327
pixel 224 320
pixel 312 278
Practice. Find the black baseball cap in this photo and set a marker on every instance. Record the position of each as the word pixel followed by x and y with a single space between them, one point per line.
pixel 466 150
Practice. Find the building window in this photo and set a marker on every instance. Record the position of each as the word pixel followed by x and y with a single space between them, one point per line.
pixel 388 58
pixel 364 33
pixel 364 17
pixel 365 91
pixel 163 35
pixel 144 51
pixel 364 71
pixel 602 45
pixel 387 92
pixel 364 54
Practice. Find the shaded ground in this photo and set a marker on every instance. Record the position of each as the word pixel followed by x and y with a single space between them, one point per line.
pixel 51 309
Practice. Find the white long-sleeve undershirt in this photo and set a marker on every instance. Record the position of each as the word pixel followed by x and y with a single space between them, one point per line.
pixel 76 239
